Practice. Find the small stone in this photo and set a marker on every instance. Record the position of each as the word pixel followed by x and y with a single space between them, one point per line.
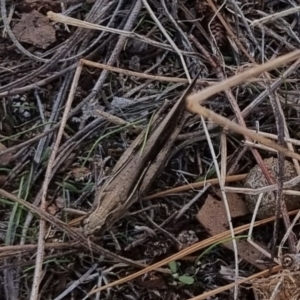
pixel 256 179
pixel 34 28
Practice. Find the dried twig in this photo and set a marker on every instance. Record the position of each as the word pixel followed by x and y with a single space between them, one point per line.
pixel 194 186
pixel 42 227
pixel 83 24
pixel 168 38
pixel 275 16
pixel 194 100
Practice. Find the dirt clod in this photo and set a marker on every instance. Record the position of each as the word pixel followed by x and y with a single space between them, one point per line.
pixel 256 179
pixel 34 28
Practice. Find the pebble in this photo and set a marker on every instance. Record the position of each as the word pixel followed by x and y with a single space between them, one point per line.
pixel 256 179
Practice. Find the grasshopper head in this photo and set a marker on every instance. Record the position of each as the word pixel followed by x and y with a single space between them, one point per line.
pixel 92 224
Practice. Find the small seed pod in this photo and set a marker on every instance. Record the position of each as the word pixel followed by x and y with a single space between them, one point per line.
pixel 21 109
pixel 218 33
pixel 204 11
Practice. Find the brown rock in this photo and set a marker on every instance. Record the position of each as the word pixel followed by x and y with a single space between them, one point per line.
pixel 34 28
pixel 256 179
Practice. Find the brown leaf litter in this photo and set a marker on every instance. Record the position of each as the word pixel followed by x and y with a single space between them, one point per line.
pixel 34 28
pixel 213 218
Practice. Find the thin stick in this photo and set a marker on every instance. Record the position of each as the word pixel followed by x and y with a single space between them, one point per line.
pixel 192 103
pixel 242 77
pixel 249 239
pixel 275 16
pixel 42 228
pixel 229 125
pixel 141 75
pixel 168 38
pixel 225 201
pixel 275 137
pixel 195 185
pixel 83 24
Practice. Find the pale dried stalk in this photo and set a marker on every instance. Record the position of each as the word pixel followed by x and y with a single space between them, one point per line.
pixel 83 24
pixel 162 29
pixel 249 239
pixel 275 16
pixel 192 103
pixel 242 77
pixel 275 137
pixel 195 185
pixel 249 191
pixel 41 241
pixel 196 108
pixel 259 146
pixel 142 75
pixel 288 232
pixel 221 177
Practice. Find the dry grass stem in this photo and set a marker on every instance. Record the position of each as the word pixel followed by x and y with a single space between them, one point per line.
pixel 193 101
pixel 42 227
pixel 157 22
pixel 195 186
pixel 242 77
pixel 194 107
pixel 198 246
pixel 83 24
pixel 275 16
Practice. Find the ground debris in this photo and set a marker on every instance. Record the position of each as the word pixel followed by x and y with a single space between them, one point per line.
pixel 138 68
pixel 213 217
pixel 282 286
pixel 35 29
pixel 256 179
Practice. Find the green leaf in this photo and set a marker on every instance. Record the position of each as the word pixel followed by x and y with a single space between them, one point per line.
pixel 68 186
pixel 88 187
pixel 173 266
pixel 186 279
